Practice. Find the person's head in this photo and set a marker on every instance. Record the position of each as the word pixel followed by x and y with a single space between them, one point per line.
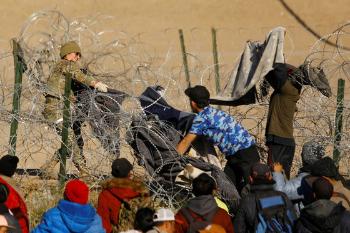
pixel 164 219
pixel 8 165
pixel 4 192
pixel 260 174
pixel 76 191
pixel 70 51
pixel 203 185
pixel 4 225
pixel 322 189
pixel 325 167
pixel 312 152
pixel 199 97
pixel 144 219
pixel 121 168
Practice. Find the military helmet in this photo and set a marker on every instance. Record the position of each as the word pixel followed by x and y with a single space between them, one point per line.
pixel 69 47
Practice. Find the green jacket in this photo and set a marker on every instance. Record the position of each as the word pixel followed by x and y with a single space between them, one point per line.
pixel 56 81
pixel 56 84
pixel 282 107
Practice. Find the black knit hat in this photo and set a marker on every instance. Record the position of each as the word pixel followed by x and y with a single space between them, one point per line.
pixel 8 165
pixel 4 192
pixel 121 168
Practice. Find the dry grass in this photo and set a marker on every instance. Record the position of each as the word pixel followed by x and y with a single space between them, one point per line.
pixel 40 198
pixel 41 195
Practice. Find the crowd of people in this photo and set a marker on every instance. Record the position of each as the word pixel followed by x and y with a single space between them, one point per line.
pixel 316 200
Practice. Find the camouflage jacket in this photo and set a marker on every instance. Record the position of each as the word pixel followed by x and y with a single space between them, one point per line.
pixel 56 81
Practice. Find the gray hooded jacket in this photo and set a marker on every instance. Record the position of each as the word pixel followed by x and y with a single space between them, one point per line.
pixel 323 216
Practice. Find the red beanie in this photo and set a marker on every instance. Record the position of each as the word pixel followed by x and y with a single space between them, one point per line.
pixel 77 191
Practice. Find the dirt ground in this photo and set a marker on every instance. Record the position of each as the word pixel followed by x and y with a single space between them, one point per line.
pixel 157 21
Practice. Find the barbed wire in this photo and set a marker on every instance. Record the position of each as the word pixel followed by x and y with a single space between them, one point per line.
pixel 129 65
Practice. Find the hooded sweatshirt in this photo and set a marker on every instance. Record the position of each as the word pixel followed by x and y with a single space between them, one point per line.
pixel 323 216
pixel 202 206
pixel 69 217
pixel 15 203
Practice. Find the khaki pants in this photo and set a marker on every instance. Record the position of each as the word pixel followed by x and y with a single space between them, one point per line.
pixel 53 113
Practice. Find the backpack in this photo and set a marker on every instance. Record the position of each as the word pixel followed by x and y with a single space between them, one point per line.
pixel 198 222
pixel 128 211
pixel 273 215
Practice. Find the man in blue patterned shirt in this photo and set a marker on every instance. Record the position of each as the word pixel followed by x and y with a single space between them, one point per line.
pixel 225 132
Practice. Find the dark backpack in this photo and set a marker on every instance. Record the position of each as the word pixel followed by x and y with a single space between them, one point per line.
pixel 273 215
pixel 197 222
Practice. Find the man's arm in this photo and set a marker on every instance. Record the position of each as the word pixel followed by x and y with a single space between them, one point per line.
pixel 104 211
pixel 79 76
pixel 185 143
pixel 289 187
pixel 239 221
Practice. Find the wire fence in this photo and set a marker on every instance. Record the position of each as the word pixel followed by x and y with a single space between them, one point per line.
pixel 127 64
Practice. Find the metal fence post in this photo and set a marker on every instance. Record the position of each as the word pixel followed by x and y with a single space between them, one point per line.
pixel 65 128
pixel 184 57
pixel 216 60
pixel 19 69
pixel 338 121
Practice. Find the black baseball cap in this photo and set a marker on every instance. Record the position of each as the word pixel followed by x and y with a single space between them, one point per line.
pixel 198 93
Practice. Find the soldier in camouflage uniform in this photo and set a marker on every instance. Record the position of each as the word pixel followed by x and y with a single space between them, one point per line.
pixel 70 53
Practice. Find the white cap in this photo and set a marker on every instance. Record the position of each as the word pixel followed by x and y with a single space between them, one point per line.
pixel 163 215
pixel 4 222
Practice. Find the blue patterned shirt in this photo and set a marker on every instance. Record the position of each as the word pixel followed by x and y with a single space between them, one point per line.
pixel 222 130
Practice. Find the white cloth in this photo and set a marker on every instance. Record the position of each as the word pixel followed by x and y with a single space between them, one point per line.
pixel 255 62
pixel 101 87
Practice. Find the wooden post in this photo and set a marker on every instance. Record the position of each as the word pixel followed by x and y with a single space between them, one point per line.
pixel 216 60
pixel 338 120
pixel 19 69
pixel 65 128
pixel 184 57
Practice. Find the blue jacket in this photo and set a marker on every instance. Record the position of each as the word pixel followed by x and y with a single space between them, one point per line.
pixel 70 217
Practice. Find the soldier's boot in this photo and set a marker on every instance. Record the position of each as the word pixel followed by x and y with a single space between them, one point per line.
pixel 48 169
pixel 80 163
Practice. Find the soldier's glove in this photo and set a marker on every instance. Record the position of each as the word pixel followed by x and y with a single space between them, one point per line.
pixel 101 87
